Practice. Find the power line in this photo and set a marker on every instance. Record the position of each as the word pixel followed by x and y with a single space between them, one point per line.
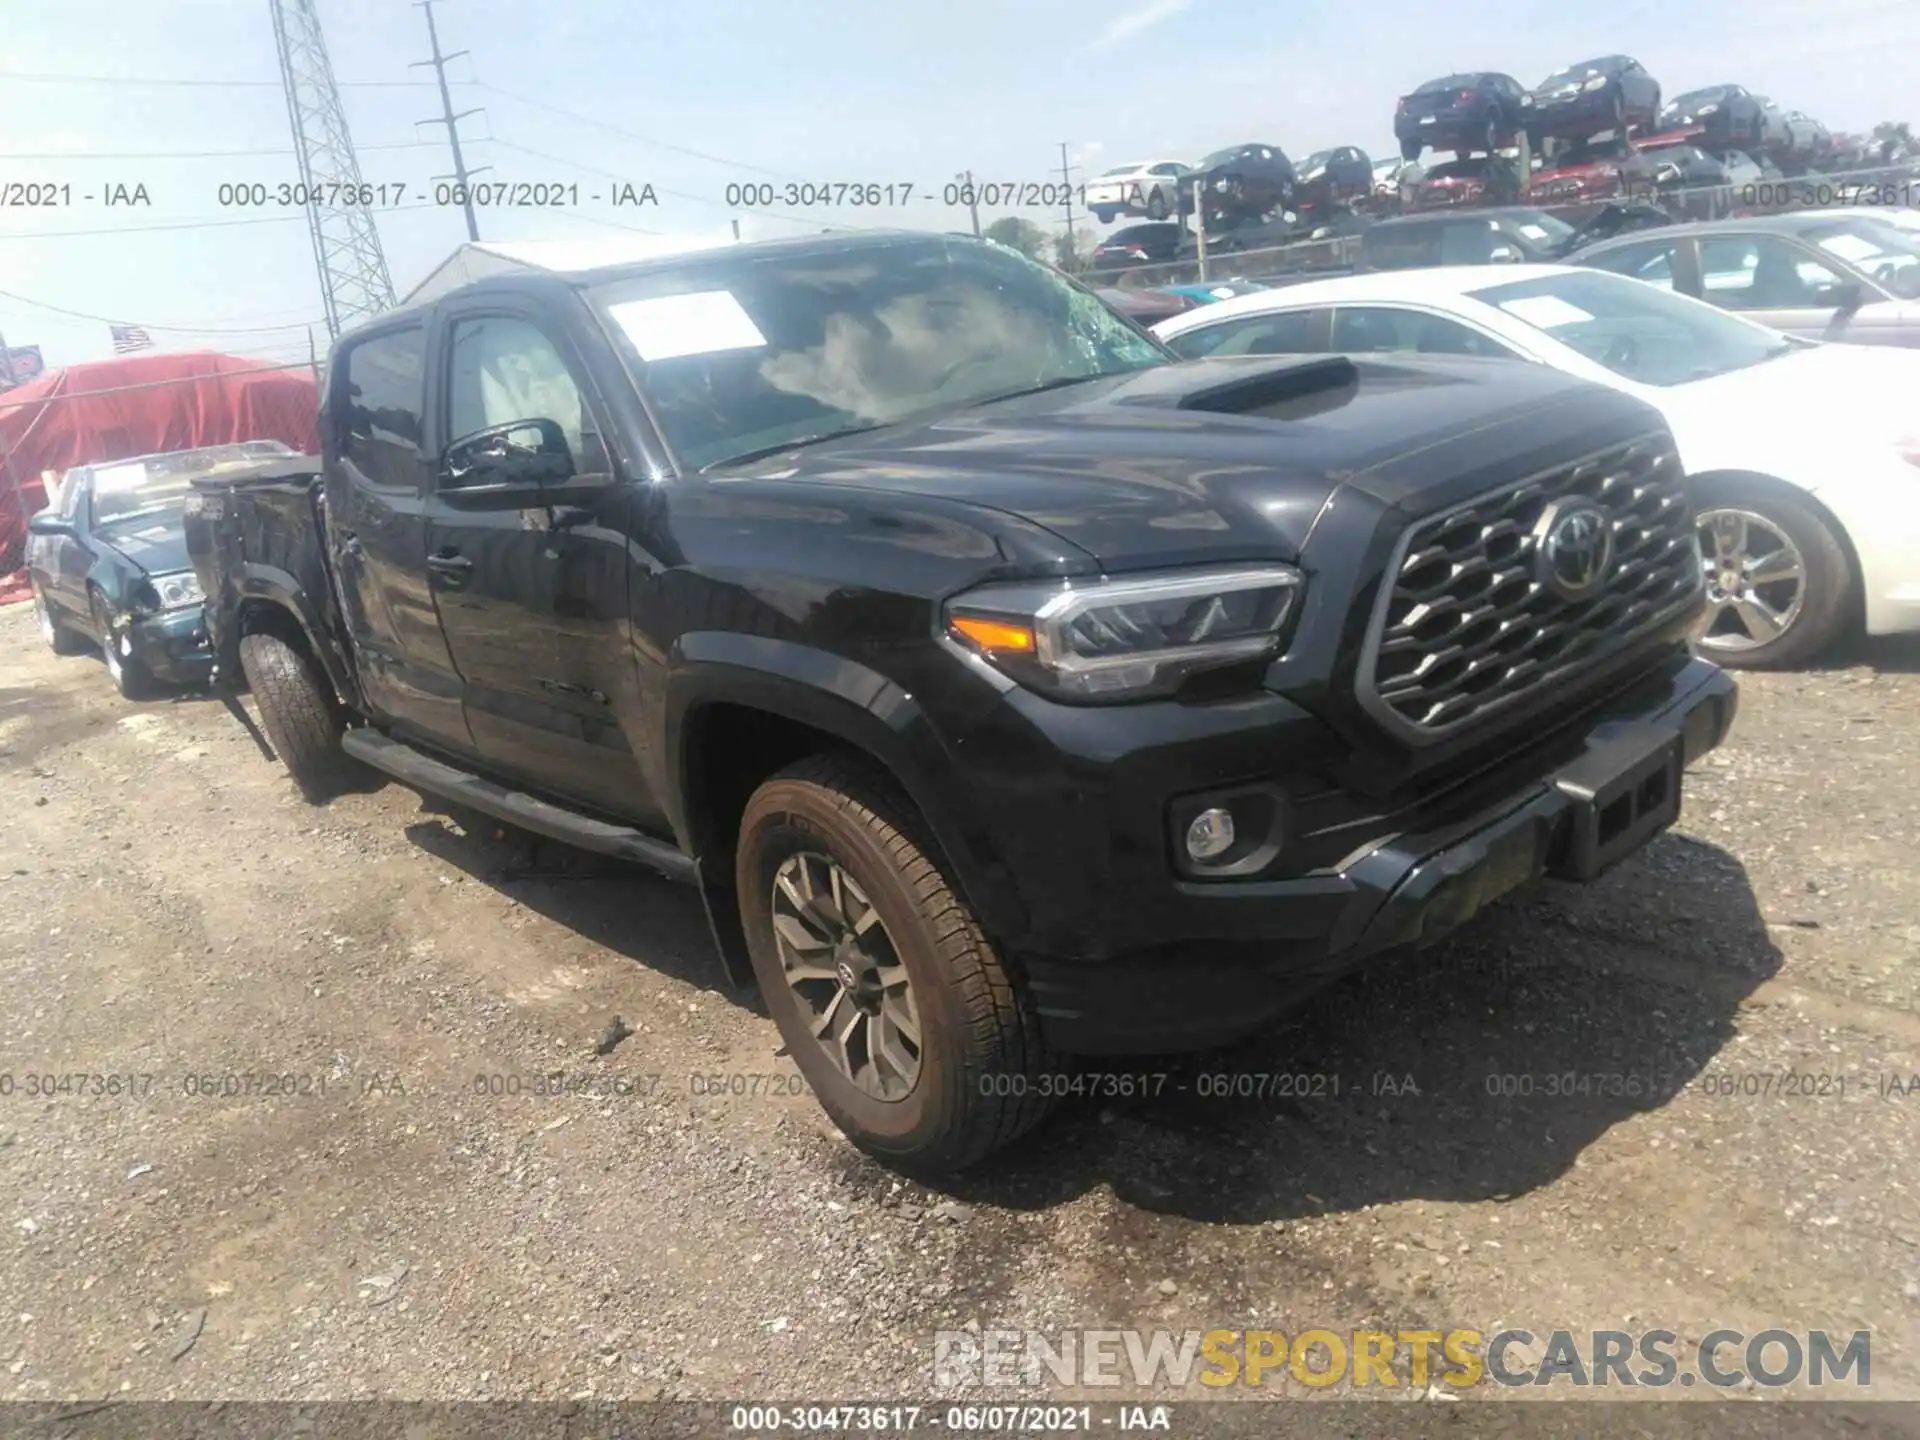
pixel 42 77
pixel 629 134
pixel 196 154
pixel 188 329
pixel 451 120
pixel 182 225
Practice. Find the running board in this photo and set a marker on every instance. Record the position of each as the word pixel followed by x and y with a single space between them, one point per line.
pixel 423 772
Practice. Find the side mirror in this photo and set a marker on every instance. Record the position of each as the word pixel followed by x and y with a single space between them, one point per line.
pixel 507 465
pixel 49 524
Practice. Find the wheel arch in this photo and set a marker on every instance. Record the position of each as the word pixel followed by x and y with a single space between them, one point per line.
pixel 270 599
pixel 739 708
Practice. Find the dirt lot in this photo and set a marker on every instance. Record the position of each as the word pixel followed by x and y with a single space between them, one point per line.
pixel 172 911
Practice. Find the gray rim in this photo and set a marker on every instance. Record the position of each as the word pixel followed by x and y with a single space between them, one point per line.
pixel 1756 580
pixel 848 978
pixel 49 631
pixel 109 643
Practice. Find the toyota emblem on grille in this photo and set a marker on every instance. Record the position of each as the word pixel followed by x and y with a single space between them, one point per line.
pixel 1574 542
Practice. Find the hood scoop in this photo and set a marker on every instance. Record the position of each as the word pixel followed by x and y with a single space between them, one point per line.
pixel 1332 381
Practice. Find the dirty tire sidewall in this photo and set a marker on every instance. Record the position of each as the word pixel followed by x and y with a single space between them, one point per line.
pixel 975 1028
pixel 126 673
pixel 297 711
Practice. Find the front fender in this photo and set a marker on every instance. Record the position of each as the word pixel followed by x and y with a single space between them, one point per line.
pixel 856 706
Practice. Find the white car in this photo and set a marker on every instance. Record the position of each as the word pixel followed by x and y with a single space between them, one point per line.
pixel 1803 458
pixel 1148 187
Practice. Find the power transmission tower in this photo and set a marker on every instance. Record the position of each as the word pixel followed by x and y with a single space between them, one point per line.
pixel 354 282
pixel 461 175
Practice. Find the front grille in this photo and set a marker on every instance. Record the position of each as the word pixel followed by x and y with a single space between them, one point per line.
pixel 1469 625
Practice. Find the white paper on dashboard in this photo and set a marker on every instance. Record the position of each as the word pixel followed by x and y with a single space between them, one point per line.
pixel 1548 312
pixel 1849 247
pixel 702 323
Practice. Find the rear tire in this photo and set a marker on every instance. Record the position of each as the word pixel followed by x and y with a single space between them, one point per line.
pixel 1104 214
pixel 53 630
pixel 1755 532
pixel 298 711
pixel 877 910
pixel 1157 207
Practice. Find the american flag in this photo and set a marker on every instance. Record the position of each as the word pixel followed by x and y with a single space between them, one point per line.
pixel 130 337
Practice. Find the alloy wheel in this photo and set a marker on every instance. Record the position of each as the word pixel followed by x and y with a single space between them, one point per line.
pixel 49 630
pixel 848 977
pixel 1756 580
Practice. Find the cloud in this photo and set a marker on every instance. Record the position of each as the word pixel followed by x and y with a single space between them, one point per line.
pixel 1126 26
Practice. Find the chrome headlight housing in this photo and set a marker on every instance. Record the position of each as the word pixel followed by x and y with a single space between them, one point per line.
pixel 1111 641
pixel 175 592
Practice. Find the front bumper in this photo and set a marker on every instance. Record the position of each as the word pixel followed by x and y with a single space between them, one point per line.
pixel 171 646
pixel 1213 961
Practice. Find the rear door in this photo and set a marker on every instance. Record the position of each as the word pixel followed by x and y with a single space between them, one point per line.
pixel 64 560
pixel 533 594
pixel 377 476
pixel 1785 284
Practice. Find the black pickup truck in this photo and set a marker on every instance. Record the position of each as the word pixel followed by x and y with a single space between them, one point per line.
pixel 1011 690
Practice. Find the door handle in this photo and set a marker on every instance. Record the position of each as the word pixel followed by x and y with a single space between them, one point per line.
pixel 452 567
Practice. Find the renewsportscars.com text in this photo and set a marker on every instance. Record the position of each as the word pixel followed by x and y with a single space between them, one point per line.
pixel 1421 1359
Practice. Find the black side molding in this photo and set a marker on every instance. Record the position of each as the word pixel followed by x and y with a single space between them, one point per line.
pixel 423 772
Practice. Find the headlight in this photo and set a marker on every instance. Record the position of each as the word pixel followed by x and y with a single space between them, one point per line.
pixel 1127 639
pixel 1706 110
pixel 175 591
pixel 1598 82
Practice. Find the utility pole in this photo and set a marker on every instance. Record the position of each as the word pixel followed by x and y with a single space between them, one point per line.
pixel 965 177
pixel 461 175
pixel 1066 176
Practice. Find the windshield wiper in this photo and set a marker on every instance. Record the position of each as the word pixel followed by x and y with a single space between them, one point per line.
pixel 748 456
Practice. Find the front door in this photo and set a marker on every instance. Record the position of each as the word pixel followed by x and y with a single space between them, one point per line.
pixel 533 596
pixel 377 487
pixel 1787 285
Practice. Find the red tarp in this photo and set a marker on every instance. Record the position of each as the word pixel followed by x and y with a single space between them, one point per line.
pixel 140 405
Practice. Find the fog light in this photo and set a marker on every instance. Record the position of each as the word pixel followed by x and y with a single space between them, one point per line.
pixel 1210 835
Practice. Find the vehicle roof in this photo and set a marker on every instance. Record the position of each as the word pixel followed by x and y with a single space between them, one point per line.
pixel 1788 224
pixel 1478 212
pixel 1439 282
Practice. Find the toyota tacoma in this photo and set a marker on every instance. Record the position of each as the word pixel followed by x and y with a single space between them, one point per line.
pixel 1011 690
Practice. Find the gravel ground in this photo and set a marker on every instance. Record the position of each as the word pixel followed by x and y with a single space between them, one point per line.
pixel 172 911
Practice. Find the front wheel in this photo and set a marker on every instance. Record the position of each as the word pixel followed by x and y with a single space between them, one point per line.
pixel 909 1027
pixel 1157 207
pixel 1777 578
pixel 128 675
pixel 1104 214
pixel 298 711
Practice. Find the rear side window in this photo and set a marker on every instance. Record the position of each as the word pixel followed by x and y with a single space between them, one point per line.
pixel 1256 335
pixel 1652 262
pixel 383 386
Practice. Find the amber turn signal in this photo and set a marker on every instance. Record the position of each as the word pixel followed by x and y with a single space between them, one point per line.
pixel 993 634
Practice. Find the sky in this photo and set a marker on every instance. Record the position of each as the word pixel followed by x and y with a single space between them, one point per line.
pixel 181 97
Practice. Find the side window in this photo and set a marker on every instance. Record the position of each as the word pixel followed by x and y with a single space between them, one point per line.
pixel 1765 273
pixel 383 384
pixel 502 369
pixel 1284 334
pixel 1651 263
pixel 1168 168
pixel 1372 329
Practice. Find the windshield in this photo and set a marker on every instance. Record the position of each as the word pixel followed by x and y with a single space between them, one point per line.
pixel 1635 329
pixel 159 483
pixel 742 353
pixel 1693 99
pixel 1589 152
pixel 1880 249
pixel 1221 157
pixel 1585 70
